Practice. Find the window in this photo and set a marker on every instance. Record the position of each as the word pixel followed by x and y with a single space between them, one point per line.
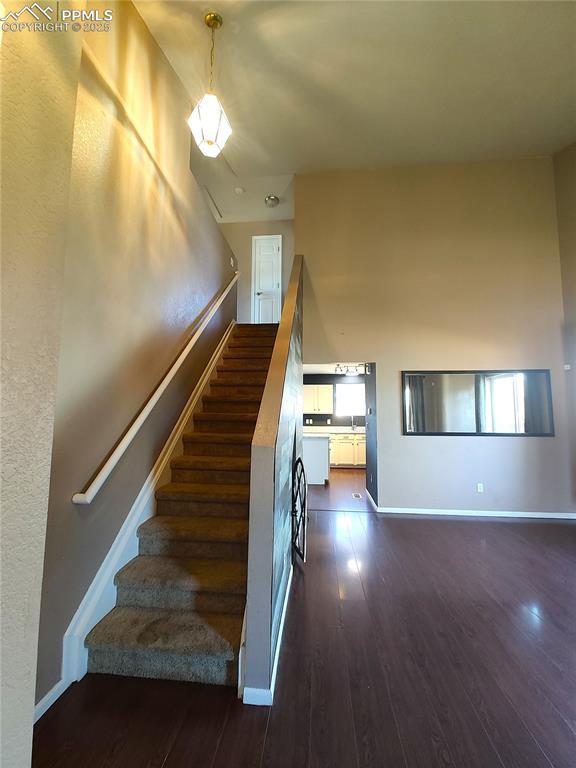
pixel 350 400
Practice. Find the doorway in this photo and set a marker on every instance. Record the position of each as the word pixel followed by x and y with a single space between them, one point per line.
pixel 339 435
pixel 266 298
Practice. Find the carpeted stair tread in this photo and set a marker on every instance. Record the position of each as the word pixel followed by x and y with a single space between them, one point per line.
pixel 257 329
pixel 204 492
pixel 248 353
pixel 205 529
pixel 240 366
pixel 233 463
pixel 240 397
pixel 217 437
pixel 192 575
pixel 154 629
pixel 223 416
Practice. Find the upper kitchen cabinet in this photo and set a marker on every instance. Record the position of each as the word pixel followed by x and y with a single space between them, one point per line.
pixel 319 398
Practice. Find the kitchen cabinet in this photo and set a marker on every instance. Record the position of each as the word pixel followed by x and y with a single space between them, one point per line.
pixel 360 456
pixel 348 450
pixel 319 398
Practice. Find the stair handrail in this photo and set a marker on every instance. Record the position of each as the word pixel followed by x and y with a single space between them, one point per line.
pixel 260 657
pixel 266 428
pixel 88 495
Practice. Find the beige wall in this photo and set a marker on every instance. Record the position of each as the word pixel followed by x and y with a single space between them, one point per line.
pixel 143 259
pixel 38 86
pixel 565 178
pixel 441 267
pixel 239 237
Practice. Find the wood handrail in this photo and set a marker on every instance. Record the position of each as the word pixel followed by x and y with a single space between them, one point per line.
pixel 266 428
pixel 87 496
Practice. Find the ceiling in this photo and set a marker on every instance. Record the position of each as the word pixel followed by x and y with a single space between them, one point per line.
pixel 310 86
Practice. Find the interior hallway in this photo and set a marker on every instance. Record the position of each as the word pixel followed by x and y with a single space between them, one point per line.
pixel 407 643
pixel 337 495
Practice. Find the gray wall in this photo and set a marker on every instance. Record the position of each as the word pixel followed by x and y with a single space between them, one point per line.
pixel 143 259
pixel 452 267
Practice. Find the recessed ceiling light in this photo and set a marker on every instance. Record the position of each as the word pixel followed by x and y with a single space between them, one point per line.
pixel 239 190
pixel 271 201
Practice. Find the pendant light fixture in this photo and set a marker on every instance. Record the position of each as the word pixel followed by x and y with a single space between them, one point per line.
pixel 208 122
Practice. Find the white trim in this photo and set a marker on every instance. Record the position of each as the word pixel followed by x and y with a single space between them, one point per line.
pixel 87 496
pixel 255 238
pixel 472 512
pixel 46 701
pixel 101 595
pixel 264 697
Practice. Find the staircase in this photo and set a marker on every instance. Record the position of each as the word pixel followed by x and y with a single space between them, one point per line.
pixel 180 602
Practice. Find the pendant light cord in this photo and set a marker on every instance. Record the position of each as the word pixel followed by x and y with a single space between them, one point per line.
pixel 212 59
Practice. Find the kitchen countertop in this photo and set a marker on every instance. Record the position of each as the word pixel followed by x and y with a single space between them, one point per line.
pixel 309 431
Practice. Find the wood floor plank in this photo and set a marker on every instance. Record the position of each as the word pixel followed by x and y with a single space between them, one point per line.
pixel 408 643
pixel 199 735
pixel 377 737
pixel 242 741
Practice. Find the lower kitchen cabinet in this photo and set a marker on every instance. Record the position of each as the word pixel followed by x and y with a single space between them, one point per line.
pixel 347 450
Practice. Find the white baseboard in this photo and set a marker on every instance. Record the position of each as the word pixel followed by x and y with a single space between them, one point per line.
pixel 264 697
pixel 46 701
pixel 471 512
pixel 101 595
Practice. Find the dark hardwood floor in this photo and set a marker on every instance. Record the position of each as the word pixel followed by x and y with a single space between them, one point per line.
pixel 409 643
pixel 337 495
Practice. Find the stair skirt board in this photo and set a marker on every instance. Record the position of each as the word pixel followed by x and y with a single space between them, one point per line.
pixel 100 597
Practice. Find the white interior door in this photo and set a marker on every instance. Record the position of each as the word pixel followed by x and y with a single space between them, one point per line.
pixel 266 278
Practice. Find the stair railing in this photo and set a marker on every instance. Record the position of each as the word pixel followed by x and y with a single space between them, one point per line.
pixel 87 495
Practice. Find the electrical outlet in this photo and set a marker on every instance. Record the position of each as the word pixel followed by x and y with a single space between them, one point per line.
pixel 231 261
pixel 328 421
pixel 479 487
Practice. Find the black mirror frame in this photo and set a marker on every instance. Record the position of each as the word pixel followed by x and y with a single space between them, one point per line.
pixel 545 371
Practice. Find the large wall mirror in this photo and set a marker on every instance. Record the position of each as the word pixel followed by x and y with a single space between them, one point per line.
pixel 477 403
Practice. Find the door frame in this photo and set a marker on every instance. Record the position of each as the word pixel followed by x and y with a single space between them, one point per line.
pixel 255 239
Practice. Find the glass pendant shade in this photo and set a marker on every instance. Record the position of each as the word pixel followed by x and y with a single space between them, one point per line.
pixel 209 125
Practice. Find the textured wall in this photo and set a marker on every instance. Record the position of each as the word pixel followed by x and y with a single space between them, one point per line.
pixel 38 82
pixel 565 179
pixel 144 258
pixel 239 237
pixel 441 268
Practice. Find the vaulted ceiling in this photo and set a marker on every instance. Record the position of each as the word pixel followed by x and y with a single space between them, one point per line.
pixel 311 86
